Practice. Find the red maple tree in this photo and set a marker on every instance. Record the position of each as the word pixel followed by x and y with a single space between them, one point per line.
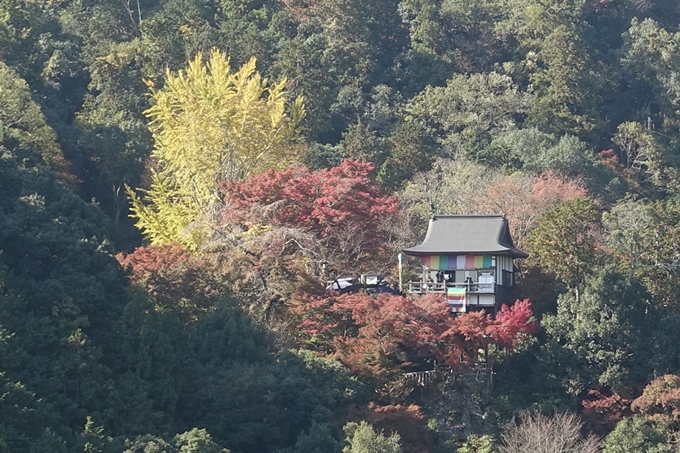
pixel 173 279
pixel 341 212
pixel 513 323
pixel 383 336
pixel 660 398
pixel 408 421
pixel 603 408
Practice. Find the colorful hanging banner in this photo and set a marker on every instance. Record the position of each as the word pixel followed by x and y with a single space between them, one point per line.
pixel 479 262
pixel 487 262
pixel 457 299
pixel 457 262
pixel 460 262
pixel 469 261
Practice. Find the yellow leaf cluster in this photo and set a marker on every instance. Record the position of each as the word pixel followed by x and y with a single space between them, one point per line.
pixel 211 125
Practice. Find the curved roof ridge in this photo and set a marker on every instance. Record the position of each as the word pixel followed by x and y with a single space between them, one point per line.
pixel 467 234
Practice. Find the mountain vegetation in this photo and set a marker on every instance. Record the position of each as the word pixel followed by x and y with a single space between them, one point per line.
pixel 181 180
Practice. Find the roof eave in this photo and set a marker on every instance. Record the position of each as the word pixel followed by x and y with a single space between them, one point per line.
pixel 516 253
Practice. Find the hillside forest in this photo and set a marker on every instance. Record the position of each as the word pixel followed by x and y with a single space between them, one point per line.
pixel 180 180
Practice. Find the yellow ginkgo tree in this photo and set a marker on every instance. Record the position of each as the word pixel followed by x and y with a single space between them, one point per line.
pixel 210 125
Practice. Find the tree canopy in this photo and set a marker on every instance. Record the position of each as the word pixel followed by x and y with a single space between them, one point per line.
pixel 210 125
pixel 190 313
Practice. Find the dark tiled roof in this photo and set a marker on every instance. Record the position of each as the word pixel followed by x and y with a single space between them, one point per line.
pixel 467 234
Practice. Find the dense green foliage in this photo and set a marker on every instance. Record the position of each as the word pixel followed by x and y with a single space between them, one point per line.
pixel 84 361
pixel 561 114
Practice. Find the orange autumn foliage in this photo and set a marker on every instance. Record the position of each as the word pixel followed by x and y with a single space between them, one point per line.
pixel 385 335
pixel 407 421
pixel 524 199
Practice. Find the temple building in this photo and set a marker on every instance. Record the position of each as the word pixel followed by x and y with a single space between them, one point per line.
pixel 468 258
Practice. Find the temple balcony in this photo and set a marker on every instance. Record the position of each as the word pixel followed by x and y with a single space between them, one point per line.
pixel 430 287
